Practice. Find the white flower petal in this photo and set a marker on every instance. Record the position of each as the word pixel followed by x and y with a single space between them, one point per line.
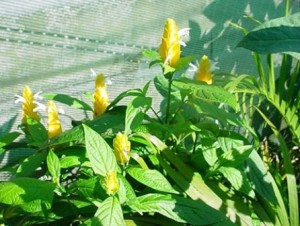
pixel 19 99
pixel 40 106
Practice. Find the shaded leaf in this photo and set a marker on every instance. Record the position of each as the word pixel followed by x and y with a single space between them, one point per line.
pixel 277 35
pixel 30 164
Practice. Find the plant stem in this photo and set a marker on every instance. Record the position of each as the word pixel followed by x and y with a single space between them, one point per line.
pixel 287 7
pixel 169 76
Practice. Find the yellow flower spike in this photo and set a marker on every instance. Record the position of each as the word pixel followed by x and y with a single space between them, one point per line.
pixel 111 183
pixel 28 106
pixel 122 148
pixel 170 44
pixel 204 72
pixel 54 125
pixel 100 96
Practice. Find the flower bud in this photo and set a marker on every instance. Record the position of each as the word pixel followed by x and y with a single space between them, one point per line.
pixel 111 183
pixel 122 148
pixel 54 125
pixel 100 96
pixel 204 72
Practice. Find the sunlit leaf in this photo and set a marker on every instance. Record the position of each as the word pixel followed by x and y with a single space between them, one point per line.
pixel 151 178
pixel 109 213
pixel 30 194
pixel 99 152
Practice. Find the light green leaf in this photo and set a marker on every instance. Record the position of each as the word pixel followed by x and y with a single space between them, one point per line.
pixel 109 213
pixel 53 165
pixel 70 161
pixel 206 92
pixel 135 112
pixel 151 178
pixel 68 100
pixel 30 194
pixel 99 152
pixel 182 209
pixel 277 35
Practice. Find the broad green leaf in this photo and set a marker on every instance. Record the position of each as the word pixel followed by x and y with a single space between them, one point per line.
pixel 53 165
pixel 8 138
pixel 30 164
pixel 99 152
pixel 30 194
pixel 151 178
pixel 127 93
pixel 38 133
pixel 130 194
pixel 112 121
pixel 135 112
pixel 182 209
pixel 259 178
pixel 206 92
pixel 68 100
pixel 70 161
pixel 277 35
pixel 109 213
pixel 238 179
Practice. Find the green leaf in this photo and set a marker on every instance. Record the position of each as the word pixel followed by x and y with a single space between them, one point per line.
pixel 30 164
pixel 182 209
pixel 53 165
pixel 151 178
pixel 30 194
pixel 8 138
pixel 238 179
pixel 135 112
pixel 277 35
pixel 151 54
pixel 38 135
pixel 109 213
pixel 90 189
pixel 259 178
pixel 68 100
pixel 127 93
pixel 206 92
pixel 99 152
pixel 70 161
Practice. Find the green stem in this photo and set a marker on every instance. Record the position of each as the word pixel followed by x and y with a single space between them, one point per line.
pixel 260 70
pixel 287 7
pixel 169 75
pixel 271 73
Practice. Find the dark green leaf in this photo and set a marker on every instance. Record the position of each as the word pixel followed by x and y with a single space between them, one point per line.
pixel 277 35
pixel 259 177
pixel 182 209
pixel 30 194
pixel 38 135
pixel 127 93
pixel 109 213
pixel 30 164
pixel 151 178
pixel 68 100
pixel 238 179
pixel 99 152
pixel 8 138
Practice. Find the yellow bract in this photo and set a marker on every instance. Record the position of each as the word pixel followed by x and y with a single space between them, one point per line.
pixel 111 183
pixel 122 148
pixel 100 96
pixel 204 72
pixel 28 106
pixel 170 44
pixel 54 125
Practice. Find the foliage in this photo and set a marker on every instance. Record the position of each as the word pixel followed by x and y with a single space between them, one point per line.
pixel 206 157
